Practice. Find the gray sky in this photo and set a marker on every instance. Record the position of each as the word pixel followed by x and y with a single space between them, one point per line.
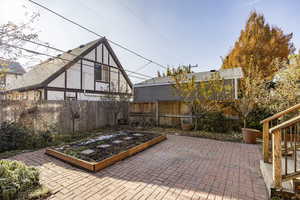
pixel 171 32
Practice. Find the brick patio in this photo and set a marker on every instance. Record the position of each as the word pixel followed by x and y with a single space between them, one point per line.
pixel 178 168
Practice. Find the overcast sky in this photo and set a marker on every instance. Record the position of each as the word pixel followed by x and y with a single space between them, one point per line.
pixel 171 32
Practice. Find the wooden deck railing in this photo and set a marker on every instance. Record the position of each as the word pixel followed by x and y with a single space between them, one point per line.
pixel 270 122
pixel 284 138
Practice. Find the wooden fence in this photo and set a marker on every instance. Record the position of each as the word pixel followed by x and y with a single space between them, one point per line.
pixel 170 114
pixel 43 115
pixel 163 113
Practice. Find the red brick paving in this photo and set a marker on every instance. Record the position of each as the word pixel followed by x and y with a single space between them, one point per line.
pixel 179 168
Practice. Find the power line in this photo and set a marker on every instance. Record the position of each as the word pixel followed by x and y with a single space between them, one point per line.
pixel 147 24
pixel 56 49
pixel 93 32
pixel 56 57
pixel 143 66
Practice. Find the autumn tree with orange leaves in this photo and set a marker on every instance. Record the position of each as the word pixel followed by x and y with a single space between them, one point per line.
pixel 260 43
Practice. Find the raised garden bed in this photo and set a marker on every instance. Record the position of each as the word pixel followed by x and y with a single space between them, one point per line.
pixel 100 152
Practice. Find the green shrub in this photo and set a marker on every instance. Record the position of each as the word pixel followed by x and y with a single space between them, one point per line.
pixel 16 177
pixel 40 140
pixel 13 136
pixel 257 115
pixel 218 123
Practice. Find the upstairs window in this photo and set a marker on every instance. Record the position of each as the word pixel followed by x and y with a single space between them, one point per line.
pixel 98 74
pixel 101 73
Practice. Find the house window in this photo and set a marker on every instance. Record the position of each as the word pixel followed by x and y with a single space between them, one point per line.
pixel 98 74
pixel 101 73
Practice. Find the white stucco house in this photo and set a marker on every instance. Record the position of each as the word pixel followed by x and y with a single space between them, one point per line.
pixel 88 72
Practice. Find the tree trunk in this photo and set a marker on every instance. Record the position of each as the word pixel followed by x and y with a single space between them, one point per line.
pixel 245 122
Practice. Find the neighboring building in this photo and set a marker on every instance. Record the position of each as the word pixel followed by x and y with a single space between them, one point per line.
pixel 161 88
pixel 89 72
pixel 11 71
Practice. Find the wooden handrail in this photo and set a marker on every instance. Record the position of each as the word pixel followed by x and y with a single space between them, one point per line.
pixel 285 124
pixel 277 115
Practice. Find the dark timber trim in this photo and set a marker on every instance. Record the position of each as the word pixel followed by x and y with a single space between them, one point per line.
pixel 95 68
pixel 45 94
pixel 96 58
pixel 109 79
pixel 102 52
pixel 109 72
pixel 102 81
pixel 95 76
pixel 118 80
pixel 82 91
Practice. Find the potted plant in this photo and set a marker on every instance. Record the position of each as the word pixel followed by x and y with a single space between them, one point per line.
pixel 252 94
pixel 186 125
pixel 244 107
pixel 250 135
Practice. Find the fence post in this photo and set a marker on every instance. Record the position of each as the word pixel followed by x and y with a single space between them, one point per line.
pixel 266 142
pixel 276 149
pixel 156 113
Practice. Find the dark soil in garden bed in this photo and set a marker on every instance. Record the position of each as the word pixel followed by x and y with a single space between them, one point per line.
pixel 104 146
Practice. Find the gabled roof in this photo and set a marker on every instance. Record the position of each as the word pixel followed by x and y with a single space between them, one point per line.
pixel 42 74
pixel 199 76
pixel 11 67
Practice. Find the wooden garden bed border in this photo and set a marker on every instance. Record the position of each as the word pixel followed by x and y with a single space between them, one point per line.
pixel 97 166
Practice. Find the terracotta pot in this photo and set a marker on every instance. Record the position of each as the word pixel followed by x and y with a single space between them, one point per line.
pixel 186 127
pixel 249 135
pixel 259 135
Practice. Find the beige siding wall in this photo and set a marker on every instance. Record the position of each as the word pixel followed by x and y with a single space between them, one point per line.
pixel 112 62
pixel 99 53
pixel 87 76
pixel 105 55
pixel 55 95
pixel 58 82
pixel 114 79
pixel 73 76
pixel 91 55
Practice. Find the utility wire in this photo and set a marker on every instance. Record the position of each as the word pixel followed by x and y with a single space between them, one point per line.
pixel 56 49
pixel 143 66
pixel 147 24
pixel 56 57
pixel 93 32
